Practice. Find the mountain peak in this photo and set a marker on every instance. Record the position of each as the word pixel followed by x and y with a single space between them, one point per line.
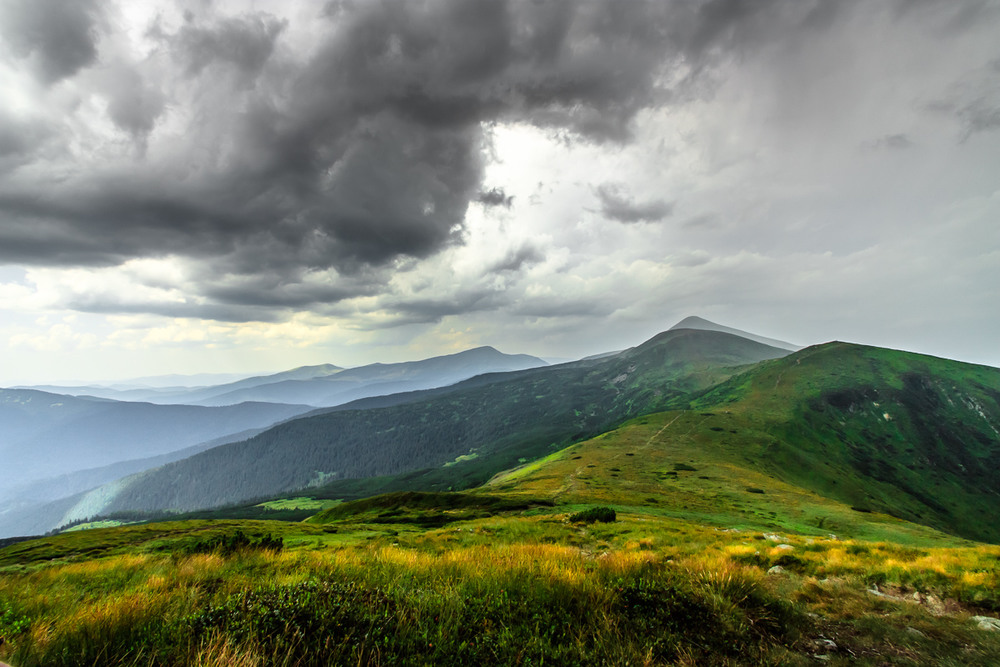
pixel 700 323
pixel 695 322
pixel 482 349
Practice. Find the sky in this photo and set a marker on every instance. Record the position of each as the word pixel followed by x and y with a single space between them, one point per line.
pixel 197 186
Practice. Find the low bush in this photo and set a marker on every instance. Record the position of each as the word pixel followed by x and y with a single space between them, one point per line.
pixel 227 545
pixel 602 514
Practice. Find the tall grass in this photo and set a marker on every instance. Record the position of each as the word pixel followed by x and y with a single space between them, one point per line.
pixel 513 604
pixel 639 591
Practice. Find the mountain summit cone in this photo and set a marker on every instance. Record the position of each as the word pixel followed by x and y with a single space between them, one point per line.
pixel 701 324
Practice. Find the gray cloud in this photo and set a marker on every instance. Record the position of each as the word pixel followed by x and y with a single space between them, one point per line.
pixel 982 115
pixel 617 205
pixel 368 151
pixel 57 38
pixel 244 43
pixel 891 142
pixel 973 100
pixel 363 151
pixel 430 311
pixel 19 138
pixel 133 105
pixel 517 258
pixel 495 197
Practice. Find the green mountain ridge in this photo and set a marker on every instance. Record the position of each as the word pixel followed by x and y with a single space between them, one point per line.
pixel 492 421
pixel 911 435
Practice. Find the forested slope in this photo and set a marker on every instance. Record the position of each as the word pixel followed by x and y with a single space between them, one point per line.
pixel 495 420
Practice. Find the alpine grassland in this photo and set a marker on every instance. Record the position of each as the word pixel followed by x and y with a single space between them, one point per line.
pixel 526 587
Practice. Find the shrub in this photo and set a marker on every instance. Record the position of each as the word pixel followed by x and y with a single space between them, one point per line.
pixel 12 622
pixel 234 542
pixel 602 514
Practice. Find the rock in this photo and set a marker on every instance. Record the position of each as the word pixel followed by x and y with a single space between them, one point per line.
pixel 771 537
pixel 785 547
pixel 875 591
pixel 987 623
pixel 827 644
pixel 914 632
pixel 777 569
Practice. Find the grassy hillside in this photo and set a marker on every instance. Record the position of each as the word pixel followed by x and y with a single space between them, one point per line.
pixel 497 578
pixel 676 464
pixel 480 427
pixel 905 434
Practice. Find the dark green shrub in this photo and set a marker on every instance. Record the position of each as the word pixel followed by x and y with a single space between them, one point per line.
pixel 602 514
pixel 234 542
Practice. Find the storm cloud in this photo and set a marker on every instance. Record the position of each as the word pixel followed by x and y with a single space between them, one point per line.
pixel 367 149
pixel 451 166
pixel 55 39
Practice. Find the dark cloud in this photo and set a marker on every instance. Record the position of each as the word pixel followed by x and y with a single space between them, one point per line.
pixel 517 258
pixel 244 43
pixel 495 197
pixel 366 150
pixel 133 105
pixel 430 311
pixel 617 205
pixel 19 138
pixel 58 38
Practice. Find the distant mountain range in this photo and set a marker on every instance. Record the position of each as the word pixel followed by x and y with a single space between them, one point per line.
pixel 45 435
pixel 324 385
pixel 56 445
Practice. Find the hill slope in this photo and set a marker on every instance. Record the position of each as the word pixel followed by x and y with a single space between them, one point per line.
pixel 906 434
pixel 480 426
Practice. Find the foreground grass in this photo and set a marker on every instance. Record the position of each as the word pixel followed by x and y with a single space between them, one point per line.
pixel 525 588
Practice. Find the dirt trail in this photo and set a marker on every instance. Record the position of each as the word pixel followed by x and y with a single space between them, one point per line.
pixel 664 428
pixel 571 479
